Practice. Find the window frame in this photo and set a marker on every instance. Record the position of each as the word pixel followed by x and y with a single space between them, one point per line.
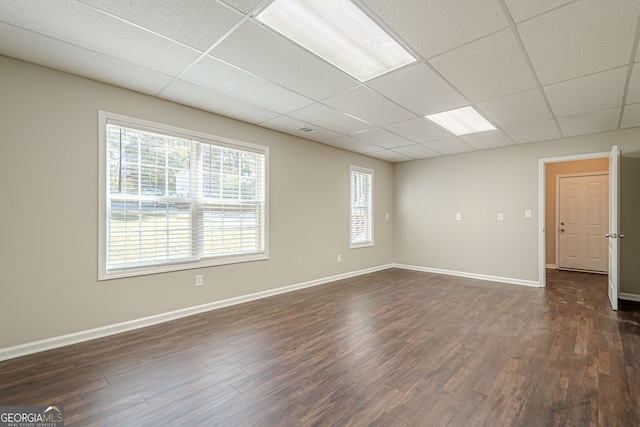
pixel 104 118
pixel 370 242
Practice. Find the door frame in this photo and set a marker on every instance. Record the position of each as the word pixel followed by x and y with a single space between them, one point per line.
pixel 542 179
pixel 557 213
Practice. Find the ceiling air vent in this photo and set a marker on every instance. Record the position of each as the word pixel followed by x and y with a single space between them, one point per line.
pixel 307 130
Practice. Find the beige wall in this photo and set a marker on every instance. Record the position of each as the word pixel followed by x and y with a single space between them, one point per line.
pixel 553 170
pixel 480 184
pixel 630 223
pixel 49 227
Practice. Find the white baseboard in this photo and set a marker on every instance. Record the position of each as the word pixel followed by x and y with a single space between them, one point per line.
pixel 91 334
pixel 470 275
pixel 552 266
pixel 629 297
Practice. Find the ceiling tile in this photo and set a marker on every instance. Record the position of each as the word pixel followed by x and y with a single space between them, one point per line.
pixel 351 144
pixel 419 89
pixel 419 130
pixel 594 122
pixel 426 25
pixel 196 23
pixel 488 68
pixel 265 53
pixel 32 47
pixel 291 126
pixel 390 156
pixel 449 146
pixel 532 132
pixel 209 100
pixel 633 94
pixel 417 151
pixel 590 93
pixel 370 106
pixel 328 118
pixel 245 6
pixel 581 38
pixel 517 109
pixel 486 140
pixel 525 9
pixel 231 81
pixel 93 30
pixel 631 116
pixel 382 138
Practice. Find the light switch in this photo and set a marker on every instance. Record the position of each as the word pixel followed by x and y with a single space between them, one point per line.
pixel 527 213
pixel 500 216
pixel 458 217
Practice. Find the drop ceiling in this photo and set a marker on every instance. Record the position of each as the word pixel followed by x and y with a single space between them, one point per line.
pixel 537 70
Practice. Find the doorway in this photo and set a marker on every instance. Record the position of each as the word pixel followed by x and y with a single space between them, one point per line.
pixel 549 168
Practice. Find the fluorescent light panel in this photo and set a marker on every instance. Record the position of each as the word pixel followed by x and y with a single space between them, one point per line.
pixel 462 121
pixel 338 32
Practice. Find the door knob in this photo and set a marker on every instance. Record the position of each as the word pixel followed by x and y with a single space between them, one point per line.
pixel 562 229
pixel 562 223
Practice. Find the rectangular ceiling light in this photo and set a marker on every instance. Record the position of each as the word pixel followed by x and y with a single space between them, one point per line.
pixel 338 32
pixel 462 121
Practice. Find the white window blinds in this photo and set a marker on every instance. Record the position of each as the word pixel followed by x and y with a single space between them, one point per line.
pixel 175 200
pixel 361 207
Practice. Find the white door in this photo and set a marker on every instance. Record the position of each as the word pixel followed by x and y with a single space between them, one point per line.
pixel 583 222
pixel 614 226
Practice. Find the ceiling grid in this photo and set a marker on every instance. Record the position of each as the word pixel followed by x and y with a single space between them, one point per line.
pixel 536 70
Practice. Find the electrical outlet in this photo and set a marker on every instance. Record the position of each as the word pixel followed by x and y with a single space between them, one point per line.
pixel 339 258
pixel 199 280
pixel 500 216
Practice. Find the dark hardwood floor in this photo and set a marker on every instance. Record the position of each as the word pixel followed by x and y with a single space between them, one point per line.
pixel 393 348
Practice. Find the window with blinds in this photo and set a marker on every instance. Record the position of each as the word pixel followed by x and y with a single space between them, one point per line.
pixel 173 199
pixel 361 207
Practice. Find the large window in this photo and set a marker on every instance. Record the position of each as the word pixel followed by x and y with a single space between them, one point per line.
pixel 172 199
pixel 361 207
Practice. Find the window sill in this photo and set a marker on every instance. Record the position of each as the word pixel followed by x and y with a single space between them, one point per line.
pixel 167 268
pixel 361 245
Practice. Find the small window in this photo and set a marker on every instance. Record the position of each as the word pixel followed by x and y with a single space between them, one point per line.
pixel 361 207
pixel 172 199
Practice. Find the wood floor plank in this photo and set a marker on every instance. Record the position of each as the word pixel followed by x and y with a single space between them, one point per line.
pixel 392 348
